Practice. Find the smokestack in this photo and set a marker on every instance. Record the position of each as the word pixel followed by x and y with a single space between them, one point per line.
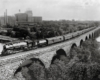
pixel 6 17
pixel 19 10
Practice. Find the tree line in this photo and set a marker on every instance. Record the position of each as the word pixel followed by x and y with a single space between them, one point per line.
pixel 47 29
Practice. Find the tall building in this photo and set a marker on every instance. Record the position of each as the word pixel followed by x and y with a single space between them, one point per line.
pixel 30 14
pixel 21 17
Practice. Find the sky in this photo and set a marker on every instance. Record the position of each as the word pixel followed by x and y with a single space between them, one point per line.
pixel 54 9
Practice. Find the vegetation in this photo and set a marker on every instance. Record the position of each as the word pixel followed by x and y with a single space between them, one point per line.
pixel 84 65
pixel 48 29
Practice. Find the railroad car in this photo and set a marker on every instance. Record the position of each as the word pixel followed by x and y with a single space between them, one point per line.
pixel 76 34
pixel 54 40
pixel 68 36
pixel 41 43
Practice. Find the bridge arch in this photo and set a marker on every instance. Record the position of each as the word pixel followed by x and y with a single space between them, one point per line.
pixel 86 38
pixel 27 63
pixel 59 55
pixel 90 36
pixel 81 42
pixel 74 45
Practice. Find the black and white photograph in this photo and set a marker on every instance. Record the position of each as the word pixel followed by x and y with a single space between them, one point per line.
pixel 49 39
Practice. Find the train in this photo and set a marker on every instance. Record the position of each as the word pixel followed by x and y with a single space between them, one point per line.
pixel 26 45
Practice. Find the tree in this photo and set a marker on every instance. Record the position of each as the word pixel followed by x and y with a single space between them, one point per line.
pixel 37 71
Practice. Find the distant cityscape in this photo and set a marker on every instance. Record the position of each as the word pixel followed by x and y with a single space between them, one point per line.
pixel 20 18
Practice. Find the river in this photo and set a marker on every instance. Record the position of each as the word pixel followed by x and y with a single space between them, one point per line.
pixel 98 39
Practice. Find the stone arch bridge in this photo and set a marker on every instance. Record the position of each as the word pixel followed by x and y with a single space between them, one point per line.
pixel 9 64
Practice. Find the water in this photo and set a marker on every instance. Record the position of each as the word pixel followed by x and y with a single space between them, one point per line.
pixel 98 39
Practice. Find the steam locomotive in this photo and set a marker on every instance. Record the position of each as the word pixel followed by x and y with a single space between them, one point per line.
pixel 25 45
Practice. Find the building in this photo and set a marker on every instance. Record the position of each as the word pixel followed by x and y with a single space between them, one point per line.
pixel 30 14
pixel 27 18
pixel 37 19
pixel 21 17
pixel 2 21
pixel 11 20
pixel 8 20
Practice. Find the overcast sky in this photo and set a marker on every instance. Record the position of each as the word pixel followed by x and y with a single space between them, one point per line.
pixel 54 9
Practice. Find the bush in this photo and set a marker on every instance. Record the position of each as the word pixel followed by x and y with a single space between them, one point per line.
pixel 37 71
pixel 25 73
pixel 84 71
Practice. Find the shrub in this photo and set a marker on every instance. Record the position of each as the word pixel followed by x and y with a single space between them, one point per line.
pixel 84 71
pixel 37 71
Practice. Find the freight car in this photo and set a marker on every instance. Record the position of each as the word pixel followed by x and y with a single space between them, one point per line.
pixel 54 40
